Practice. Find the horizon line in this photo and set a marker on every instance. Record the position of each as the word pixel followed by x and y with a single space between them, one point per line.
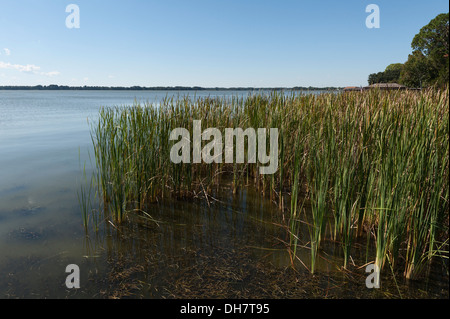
pixel 177 87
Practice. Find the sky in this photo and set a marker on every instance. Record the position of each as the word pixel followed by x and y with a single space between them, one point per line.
pixel 208 43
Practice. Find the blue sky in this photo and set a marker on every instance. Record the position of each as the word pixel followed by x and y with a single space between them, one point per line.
pixel 206 43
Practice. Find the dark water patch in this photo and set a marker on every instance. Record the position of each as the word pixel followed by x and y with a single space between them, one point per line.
pixel 32 234
pixel 12 190
pixel 11 281
pixel 229 249
pixel 25 234
pixel 193 257
pixel 37 276
pixel 28 211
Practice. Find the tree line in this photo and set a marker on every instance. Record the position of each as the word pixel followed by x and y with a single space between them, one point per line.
pixel 162 88
pixel 428 64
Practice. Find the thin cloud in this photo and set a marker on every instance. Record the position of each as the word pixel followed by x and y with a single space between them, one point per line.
pixel 22 68
pixel 29 68
pixel 7 51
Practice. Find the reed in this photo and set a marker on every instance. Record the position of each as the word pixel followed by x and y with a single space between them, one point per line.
pixel 374 164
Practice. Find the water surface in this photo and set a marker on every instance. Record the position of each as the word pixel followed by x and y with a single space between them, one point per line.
pixel 230 248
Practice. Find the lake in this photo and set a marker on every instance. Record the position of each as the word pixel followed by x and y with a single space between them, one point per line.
pixel 232 248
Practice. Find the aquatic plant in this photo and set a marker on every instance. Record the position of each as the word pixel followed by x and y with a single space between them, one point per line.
pixel 371 164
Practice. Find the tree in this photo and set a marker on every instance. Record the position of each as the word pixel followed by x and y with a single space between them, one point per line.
pixel 374 78
pixel 432 41
pixel 417 71
pixel 392 72
pixel 394 67
pixel 390 75
pixel 428 64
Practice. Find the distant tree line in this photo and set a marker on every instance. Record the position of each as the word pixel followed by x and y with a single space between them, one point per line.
pixel 428 63
pixel 160 88
pixel 390 75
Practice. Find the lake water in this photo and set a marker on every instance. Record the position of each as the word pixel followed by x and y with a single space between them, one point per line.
pixel 230 249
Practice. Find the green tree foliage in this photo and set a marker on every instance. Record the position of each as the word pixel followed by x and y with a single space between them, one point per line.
pixel 428 64
pixel 390 75
pixel 394 67
pixel 432 42
pixel 417 71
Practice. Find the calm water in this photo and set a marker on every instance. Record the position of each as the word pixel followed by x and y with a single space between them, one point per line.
pixel 228 249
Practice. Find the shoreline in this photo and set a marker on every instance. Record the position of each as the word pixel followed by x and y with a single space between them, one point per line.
pixel 161 88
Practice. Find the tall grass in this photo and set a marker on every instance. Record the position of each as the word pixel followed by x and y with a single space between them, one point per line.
pixel 373 163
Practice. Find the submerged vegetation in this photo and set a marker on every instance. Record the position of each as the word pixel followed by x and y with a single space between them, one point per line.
pixel 370 166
